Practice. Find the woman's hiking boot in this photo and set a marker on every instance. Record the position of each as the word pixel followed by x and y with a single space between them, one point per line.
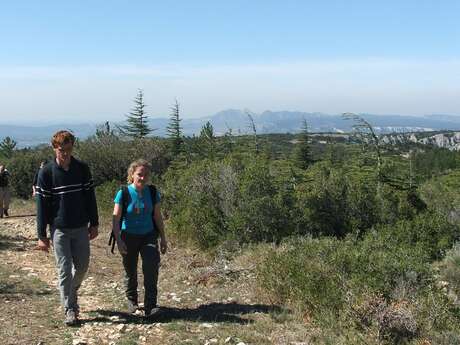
pixel 132 307
pixel 152 313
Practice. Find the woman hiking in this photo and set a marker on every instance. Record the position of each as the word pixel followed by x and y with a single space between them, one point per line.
pixel 137 223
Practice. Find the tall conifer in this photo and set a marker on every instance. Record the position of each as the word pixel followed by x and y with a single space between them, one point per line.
pixel 174 130
pixel 207 140
pixel 303 154
pixel 137 126
pixel 7 147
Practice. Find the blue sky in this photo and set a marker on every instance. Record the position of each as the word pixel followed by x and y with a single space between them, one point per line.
pixel 84 60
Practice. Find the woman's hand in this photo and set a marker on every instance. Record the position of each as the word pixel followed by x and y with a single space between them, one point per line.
pixel 122 247
pixel 163 245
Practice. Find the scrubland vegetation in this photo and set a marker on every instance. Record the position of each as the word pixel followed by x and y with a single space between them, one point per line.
pixel 357 238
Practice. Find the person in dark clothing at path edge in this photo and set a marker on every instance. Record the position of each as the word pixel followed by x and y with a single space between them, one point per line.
pixel 4 192
pixel 136 230
pixel 67 202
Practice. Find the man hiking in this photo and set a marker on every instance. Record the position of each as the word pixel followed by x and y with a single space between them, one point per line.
pixel 66 200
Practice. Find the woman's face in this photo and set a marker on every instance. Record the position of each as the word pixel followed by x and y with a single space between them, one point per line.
pixel 140 177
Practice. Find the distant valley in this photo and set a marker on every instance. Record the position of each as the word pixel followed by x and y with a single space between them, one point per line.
pixel 237 122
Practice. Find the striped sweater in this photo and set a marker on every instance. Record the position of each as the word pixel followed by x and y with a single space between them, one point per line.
pixel 65 199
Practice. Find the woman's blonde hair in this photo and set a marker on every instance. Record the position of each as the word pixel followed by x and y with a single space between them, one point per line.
pixel 136 164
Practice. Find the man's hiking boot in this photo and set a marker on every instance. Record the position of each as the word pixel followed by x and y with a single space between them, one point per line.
pixel 152 313
pixel 71 318
pixel 132 307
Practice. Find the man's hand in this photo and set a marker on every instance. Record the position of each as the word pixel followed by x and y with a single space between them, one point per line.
pixel 163 245
pixel 43 244
pixel 93 232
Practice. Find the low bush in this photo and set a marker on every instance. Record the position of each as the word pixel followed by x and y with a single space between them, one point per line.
pixel 260 214
pixel 233 199
pixel 449 271
pixel 323 273
pixel 384 282
pixel 23 167
pixel 305 272
pixel 442 194
pixel 109 156
pixel 429 234
pixel 323 199
pixel 105 194
pixel 197 203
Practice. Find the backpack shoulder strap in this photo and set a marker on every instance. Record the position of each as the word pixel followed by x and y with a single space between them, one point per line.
pixel 124 200
pixel 153 193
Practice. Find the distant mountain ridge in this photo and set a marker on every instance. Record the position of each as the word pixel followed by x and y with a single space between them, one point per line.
pixel 291 122
pixel 238 122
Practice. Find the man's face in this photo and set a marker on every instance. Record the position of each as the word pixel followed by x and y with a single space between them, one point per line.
pixel 63 154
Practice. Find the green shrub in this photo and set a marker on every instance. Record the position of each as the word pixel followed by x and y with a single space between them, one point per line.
pixel 449 270
pixel 109 156
pixel 22 167
pixel 259 214
pixel 445 338
pixel 105 194
pixel 429 233
pixel 306 272
pixel 363 203
pixel 321 273
pixel 234 199
pixel 442 194
pixel 382 264
pixel 337 201
pixel 438 319
pixel 197 202
pixel 323 201
pixel 435 161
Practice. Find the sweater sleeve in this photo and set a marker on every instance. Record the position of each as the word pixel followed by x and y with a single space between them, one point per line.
pixel 90 198
pixel 44 202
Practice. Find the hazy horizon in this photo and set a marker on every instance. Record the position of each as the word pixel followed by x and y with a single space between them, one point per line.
pixel 78 121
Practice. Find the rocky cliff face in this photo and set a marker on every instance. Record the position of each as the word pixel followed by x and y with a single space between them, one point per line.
pixel 448 140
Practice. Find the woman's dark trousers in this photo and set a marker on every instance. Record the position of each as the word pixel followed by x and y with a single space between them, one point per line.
pixel 147 247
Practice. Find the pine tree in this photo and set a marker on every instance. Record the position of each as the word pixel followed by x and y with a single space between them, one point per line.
pixel 207 140
pixel 137 126
pixel 7 147
pixel 174 130
pixel 303 154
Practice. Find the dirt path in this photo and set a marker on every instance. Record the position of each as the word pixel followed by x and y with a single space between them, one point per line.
pixel 203 301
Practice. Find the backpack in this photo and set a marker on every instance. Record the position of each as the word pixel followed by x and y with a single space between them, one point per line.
pixel 124 208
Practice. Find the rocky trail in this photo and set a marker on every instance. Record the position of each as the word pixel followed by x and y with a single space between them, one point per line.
pixel 203 300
